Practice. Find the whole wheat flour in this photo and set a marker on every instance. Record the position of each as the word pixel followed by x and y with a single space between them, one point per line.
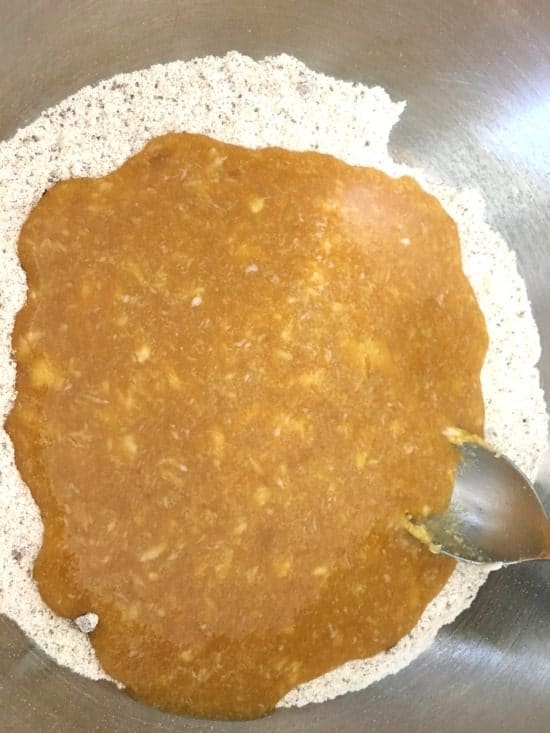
pixel 277 101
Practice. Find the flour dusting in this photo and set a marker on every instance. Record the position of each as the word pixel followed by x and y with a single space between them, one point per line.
pixel 277 101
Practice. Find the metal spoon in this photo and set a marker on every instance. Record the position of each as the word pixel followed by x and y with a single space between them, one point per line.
pixel 494 516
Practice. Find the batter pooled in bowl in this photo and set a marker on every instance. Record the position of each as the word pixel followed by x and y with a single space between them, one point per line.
pixel 234 369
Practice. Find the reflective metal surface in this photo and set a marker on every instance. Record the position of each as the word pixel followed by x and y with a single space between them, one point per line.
pixel 476 75
pixel 494 515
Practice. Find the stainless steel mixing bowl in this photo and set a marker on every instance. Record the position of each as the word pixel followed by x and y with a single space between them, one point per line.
pixel 476 74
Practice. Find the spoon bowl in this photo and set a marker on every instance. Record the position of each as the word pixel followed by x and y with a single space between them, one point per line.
pixel 494 515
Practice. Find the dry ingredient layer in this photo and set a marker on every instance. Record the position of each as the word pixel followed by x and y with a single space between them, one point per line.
pixel 277 101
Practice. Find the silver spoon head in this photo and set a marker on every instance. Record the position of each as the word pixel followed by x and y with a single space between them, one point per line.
pixel 494 516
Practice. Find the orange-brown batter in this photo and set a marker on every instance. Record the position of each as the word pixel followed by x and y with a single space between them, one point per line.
pixel 234 369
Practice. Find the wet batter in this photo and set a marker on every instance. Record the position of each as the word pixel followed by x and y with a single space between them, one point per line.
pixel 234 370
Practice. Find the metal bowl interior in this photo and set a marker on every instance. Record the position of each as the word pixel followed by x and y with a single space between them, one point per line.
pixel 477 80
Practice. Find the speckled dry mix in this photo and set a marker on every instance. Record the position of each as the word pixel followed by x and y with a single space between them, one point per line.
pixel 275 102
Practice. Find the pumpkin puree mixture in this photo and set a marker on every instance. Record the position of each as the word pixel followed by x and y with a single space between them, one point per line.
pixel 234 371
